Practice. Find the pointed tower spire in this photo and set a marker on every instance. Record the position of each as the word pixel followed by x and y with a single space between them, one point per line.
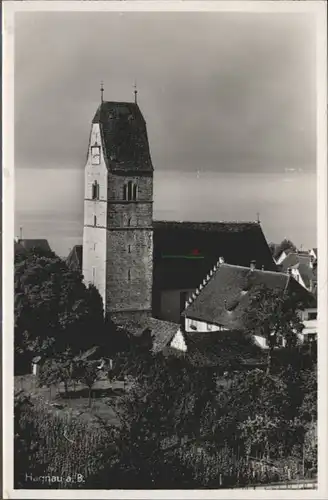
pixel 135 92
pixel 102 91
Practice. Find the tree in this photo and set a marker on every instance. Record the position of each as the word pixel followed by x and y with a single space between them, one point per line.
pixel 273 314
pixel 286 244
pixel 54 310
pixel 86 372
pixel 56 370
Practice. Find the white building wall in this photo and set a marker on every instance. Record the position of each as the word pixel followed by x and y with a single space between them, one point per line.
pixel 281 258
pixel 95 236
pixel 178 342
pixel 192 325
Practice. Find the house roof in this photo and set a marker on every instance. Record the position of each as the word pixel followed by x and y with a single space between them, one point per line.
pixel 225 297
pixel 286 251
pixel 176 267
pixel 19 249
pixel 30 244
pixel 124 136
pixel 294 258
pixel 221 349
pixel 162 332
pixel 307 273
pixel 74 259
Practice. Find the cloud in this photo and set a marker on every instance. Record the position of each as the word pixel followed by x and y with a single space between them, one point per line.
pixel 223 91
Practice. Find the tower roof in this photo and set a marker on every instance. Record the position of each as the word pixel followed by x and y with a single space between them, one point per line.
pixel 124 136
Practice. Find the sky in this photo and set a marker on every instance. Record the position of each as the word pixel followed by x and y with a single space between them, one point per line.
pixel 222 93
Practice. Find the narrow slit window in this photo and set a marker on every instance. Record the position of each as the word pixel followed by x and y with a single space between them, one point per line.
pixel 129 248
pixel 94 220
pixel 130 190
pixel 129 221
pixel 125 192
pixel 134 192
pixel 93 275
pixel 129 275
pixel 95 191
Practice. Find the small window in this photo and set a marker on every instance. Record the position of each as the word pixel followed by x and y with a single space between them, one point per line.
pixel 129 221
pixel 94 220
pixel 130 191
pixel 95 191
pixel 129 275
pixel 312 315
pixel 129 248
pixel 310 337
pixel 134 192
pixel 193 325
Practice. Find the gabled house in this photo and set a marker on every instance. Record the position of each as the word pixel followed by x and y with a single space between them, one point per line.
pixel 314 254
pixel 32 243
pixel 219 303
pixel 74 259
pixel 303 267
pixel 305 276
pixel 282 256
pixel 184 252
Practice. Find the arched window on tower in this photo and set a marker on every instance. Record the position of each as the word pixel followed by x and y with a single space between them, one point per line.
pixel 130 191
pixel 95 191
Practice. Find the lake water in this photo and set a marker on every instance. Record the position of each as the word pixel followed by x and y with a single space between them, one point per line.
pixel 49 203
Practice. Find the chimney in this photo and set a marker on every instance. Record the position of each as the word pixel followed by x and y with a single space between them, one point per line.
pixel 253 265
pixel 221 260
pixel 182 322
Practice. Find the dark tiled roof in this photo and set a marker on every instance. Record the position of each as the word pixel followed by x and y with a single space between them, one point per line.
pixel 225 297
pixel 162 332
pixel 30 244
pixel 124 135
pixel 74 259
pixel 222 349
pixel 238 242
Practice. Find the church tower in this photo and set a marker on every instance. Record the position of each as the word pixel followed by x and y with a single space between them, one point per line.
pixel 118 211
